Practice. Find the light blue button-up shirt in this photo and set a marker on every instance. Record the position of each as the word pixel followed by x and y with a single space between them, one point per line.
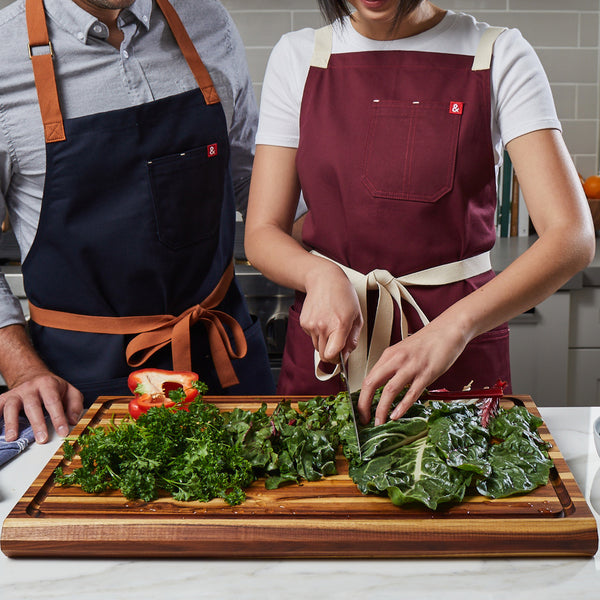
pixel 93 76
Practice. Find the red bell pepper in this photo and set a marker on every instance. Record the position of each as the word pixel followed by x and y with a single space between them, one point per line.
pixel 158 387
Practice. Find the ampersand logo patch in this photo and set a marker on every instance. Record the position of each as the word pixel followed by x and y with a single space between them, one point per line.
pixel 211 150
pixel 456 108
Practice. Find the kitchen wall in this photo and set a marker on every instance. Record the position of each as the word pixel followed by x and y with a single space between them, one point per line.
pixel 564 34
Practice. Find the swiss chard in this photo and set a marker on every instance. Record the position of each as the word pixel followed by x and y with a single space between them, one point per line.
pixel 439 449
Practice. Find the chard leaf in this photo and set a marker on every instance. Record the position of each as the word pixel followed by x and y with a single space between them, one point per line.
pixel 518 465
pixel 516 420
pixel 413 473
pixel 462 441
pixel 389 436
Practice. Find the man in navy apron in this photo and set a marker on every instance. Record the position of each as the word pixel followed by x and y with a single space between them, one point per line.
pixel 132 260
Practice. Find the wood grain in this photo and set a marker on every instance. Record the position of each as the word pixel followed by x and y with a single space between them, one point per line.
pixel 327 518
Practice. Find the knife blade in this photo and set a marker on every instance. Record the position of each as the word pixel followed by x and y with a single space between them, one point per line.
pixel 345 382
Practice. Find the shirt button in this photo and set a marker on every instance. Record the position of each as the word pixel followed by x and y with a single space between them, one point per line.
pixel 145 19
pixel 125 54
pixel 81 36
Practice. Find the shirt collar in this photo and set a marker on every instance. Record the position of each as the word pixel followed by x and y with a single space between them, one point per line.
pixel 81 24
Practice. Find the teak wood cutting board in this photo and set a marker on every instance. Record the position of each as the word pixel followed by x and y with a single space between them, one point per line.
pixel 327 518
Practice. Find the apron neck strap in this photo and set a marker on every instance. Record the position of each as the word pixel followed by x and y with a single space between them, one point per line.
pixel 43 71
pixel 200 72
pixel 322 47
pixel 481 61
pixel 483 56
pixel 43 67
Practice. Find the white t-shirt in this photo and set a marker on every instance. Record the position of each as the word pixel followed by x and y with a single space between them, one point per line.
pixel 521 97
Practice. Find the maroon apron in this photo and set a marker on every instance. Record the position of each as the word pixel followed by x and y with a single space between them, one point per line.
pixel 396 165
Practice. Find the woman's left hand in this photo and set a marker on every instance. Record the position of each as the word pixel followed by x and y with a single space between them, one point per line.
pixel 416 361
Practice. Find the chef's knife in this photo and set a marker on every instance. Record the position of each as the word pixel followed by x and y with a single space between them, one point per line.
pixel 344 378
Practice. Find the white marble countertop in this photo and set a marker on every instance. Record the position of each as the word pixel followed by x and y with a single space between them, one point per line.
pixel 439 579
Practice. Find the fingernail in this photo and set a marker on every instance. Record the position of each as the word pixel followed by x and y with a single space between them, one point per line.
pixel 378 421
pixel 63 430
pixel 41 437
pixel 10 435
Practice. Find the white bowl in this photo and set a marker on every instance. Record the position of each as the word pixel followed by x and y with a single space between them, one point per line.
pixel 596 433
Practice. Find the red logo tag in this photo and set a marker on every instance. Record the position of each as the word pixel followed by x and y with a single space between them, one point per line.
pixel 211 150
pixel 456 108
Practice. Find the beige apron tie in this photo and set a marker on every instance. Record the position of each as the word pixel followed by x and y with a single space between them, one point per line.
pixel 393 290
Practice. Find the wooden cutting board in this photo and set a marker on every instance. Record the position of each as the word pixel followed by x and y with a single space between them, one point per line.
pixel 327 518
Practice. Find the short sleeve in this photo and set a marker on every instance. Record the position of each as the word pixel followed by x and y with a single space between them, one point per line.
pixel 282 89
pixel 521 92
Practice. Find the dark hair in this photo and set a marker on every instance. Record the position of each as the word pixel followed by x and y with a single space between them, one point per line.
pixel 337 9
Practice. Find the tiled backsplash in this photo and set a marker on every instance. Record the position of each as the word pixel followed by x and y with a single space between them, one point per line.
pixel 564 34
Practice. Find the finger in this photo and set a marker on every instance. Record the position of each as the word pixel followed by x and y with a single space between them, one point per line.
pixel 12 408
pixel 335 342
pixel 52 399
pixel 365 400
pixel 35 414
pixel 73 404
pixel 352 339
pixel 390 392
pixel 411 396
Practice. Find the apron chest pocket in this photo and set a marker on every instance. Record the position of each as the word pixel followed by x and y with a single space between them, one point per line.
pixel 410 151
pixel 187 190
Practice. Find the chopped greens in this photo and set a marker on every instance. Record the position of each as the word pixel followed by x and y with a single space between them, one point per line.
pixel 438 452
pixel 204 454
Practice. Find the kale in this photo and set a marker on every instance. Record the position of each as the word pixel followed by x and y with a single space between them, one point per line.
pixel 204 454
pixel 186 454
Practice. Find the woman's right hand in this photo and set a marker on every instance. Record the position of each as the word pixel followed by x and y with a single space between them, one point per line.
pixel 331 313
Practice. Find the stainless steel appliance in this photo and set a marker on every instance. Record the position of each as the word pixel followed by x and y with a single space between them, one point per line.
pixel 267 301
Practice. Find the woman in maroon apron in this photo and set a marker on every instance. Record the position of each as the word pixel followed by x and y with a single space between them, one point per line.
pixel 395 161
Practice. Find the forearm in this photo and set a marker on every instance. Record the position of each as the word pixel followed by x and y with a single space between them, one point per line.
pixel 550 262
pixel 269 241
pixel 18 359
pixel 566 243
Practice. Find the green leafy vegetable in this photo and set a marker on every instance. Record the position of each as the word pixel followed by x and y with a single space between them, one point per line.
pixel 438 452
pixel 204 454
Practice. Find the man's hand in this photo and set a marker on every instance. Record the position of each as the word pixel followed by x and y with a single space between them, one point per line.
pixel 33 387
pixel 63 402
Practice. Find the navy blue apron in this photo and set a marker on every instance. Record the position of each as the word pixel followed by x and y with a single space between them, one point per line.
pixel 138 219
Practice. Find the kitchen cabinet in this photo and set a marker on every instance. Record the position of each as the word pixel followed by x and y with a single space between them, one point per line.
pixel 584 348
pixel 539 348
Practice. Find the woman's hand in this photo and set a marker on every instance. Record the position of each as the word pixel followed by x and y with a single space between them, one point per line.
pixel 331 312
pixel 416 361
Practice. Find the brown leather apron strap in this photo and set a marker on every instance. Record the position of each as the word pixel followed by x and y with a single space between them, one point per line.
pixel 43 67
pixel 43 71
pixel 156 331
pixel 190 53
